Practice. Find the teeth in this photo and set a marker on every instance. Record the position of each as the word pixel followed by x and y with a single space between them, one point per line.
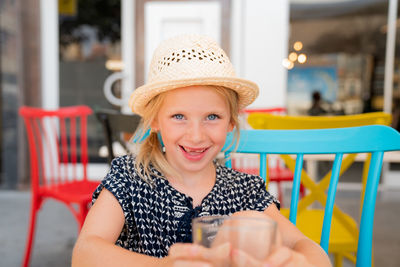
pixel 194 150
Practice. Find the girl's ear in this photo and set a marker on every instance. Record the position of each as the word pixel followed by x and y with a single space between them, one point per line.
pixel 231 127
pixel 154 125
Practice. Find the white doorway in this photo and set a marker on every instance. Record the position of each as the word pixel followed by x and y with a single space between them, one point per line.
pixel 167 19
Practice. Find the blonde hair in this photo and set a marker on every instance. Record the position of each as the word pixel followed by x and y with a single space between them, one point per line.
pixel 150 150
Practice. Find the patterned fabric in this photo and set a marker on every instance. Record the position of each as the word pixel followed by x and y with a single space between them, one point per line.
pixel 157 216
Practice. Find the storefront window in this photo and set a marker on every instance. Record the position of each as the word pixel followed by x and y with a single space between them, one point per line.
pixel 336 49
pixel 90 50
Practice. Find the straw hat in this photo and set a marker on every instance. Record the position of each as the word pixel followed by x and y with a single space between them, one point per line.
pixel 188 60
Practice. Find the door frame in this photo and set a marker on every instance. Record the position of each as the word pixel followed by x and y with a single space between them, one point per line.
pixel 140 32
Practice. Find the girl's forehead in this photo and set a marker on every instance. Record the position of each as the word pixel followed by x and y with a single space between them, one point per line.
pixel 191 92
pixel 193 88
pixel 195 97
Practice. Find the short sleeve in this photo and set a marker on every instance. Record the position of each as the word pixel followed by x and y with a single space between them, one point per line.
pixel 259 197
pixel 119 183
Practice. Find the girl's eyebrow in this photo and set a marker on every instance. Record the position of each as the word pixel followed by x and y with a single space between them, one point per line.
pixel 183 110
pixel 221 110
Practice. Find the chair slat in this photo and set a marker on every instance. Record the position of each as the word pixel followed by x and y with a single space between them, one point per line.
pixel 54 135
pixel 330 202
pixel 84 151
pixel 367 215
pixel 64 149
pixel 73 141
pixel 37 126
pixel 31 132
pixel 263 166
pixel 228 162
pixel 296 188
pixel 49 152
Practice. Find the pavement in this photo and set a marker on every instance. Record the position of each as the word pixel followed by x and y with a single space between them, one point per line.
pixel 57 230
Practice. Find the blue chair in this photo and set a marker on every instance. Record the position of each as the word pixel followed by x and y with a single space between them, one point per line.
pixel 375 139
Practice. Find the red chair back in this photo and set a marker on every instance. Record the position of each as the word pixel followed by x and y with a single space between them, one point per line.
pixel 57 144
pixel 58 151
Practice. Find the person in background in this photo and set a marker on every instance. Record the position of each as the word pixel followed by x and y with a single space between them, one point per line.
pixel 316 108
pixel 143 209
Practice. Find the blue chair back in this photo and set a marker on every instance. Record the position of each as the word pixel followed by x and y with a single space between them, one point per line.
pixel 374 139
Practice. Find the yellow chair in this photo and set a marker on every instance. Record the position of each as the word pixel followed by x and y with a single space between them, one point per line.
pixel 344 232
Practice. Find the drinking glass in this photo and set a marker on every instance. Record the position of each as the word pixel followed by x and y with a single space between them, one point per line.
pixel 254 236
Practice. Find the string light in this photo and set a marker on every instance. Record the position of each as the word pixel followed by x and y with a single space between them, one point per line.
pixel 302 58
pixel 298 46
pixel 293 56
pixel 287 64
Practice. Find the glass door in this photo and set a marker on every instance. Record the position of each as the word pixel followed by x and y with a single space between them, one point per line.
pixel 89 51
pixel 81 47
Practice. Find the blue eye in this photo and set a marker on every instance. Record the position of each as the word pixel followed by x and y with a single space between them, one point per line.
pixel 212 117
pixel 178 116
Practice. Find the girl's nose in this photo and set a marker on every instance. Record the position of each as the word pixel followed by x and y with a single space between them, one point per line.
pixel 195 132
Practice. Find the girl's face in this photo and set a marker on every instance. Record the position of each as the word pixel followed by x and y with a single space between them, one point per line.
pixel 193 122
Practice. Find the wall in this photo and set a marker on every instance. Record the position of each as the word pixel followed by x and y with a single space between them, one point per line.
pixel 259 44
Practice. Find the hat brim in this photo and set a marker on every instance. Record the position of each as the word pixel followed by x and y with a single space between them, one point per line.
pixel 247 90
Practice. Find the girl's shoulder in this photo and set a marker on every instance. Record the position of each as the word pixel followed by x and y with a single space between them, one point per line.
pixel 123 164
pixel 236 177
pixel 124 167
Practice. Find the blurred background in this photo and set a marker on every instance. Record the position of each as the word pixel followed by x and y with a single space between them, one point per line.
pixel 63 53
pixel 95 52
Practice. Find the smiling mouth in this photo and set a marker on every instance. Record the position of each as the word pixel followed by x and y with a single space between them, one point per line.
pixel 193 151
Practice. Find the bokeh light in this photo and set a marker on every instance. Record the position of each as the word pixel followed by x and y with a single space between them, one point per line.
pixel 302 58
pixel 287 64
pixel 293 56
pixel 298 46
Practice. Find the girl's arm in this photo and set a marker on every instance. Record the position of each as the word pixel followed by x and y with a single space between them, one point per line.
pixel 297 247
pixel 96 242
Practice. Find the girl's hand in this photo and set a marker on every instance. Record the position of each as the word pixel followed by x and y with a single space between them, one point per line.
pixel 282 256
pixel 285 257
pixel 181 254
pixel 279 257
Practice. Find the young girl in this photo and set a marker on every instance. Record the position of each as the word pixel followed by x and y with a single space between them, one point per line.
pixel 143 209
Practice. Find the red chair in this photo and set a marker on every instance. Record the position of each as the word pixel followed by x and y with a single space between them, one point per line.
pixel 58 152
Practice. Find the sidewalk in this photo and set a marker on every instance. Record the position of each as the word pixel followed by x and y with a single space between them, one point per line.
pixel 56 232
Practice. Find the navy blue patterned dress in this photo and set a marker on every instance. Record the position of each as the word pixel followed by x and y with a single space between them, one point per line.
pixel 157 216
